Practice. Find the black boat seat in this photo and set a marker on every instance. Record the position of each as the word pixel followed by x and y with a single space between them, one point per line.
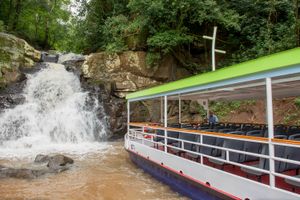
pixel 252 147
pixel 291 153
pixel 231 144
pixel 295 136
pixel 276 133
pixel 187 126
pixel 187 146
pixel 210 141
pixel 160 133
pixel 225 130
pixel 293 130
pixel 195 148
pixel 280 151
pixel 172 134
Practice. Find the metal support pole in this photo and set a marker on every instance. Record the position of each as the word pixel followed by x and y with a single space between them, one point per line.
pixel 166 120
pixel 213 53
pixel 161 110
pixel 213 48
pixel 128 115
pixel 270 130
pixel 179 109
pixel 207 109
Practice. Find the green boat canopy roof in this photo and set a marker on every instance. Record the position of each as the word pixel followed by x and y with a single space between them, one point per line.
pixel 263 64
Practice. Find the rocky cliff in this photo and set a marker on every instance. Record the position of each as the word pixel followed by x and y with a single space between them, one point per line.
pixel 118 74
pixel 129 72
pixel 15 54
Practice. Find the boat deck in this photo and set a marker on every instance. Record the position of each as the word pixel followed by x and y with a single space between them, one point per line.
pixel 148 134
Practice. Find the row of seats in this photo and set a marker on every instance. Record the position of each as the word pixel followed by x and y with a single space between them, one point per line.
pixel 224 128
pixel 253 147
pixel 282 129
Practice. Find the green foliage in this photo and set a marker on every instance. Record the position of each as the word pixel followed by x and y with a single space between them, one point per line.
pixel 41 23
pixel 297 102
pixel 167 41
pixel 113 32
pixel 222 109
pixel 266 27
pixel 291 118
pixel 153 58
pixel 246 29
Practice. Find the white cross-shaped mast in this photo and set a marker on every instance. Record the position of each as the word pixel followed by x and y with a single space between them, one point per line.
pixel 213 48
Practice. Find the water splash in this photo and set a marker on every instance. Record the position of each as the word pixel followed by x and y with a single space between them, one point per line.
pixel 56 116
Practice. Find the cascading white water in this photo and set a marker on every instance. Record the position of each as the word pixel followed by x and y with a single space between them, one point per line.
pixel 56 116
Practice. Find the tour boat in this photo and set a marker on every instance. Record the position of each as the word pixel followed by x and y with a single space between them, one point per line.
pixel 226 160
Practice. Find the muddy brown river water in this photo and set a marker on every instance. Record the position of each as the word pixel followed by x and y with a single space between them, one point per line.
pixel 106 175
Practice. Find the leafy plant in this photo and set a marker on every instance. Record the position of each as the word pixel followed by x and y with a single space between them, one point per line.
pixel 297 102
pixel 153 58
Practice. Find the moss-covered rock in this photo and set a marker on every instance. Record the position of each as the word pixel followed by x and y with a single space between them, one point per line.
pixel 15 53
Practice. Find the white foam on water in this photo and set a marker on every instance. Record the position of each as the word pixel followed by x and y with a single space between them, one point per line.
pixel 57 116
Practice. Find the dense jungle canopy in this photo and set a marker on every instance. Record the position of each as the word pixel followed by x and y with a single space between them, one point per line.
pixel 246 28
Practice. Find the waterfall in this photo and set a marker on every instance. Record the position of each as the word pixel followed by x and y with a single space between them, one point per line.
pixel 57 115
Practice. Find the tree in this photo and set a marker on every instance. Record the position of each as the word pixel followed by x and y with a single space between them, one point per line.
pixel 35 20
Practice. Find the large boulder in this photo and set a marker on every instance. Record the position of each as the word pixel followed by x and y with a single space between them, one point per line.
pixel 129 72
pixel 58 162
pixel 15 53
pixel 120 74
pixel 55 164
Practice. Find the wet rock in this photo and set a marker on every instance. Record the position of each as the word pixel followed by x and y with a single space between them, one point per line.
pixel 70 57
pixel 54 162
pixel 57 162
pixel 40 158
pixel 11 94
pixel 46 57
pixel 6 172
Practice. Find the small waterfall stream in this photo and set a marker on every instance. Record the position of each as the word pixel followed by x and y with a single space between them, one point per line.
pixel 57 115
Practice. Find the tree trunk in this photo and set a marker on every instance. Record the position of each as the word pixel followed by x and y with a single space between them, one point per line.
pixel 17 14
pixel 9 12
pixel 45 43
pixel 48 18
pixel 36 24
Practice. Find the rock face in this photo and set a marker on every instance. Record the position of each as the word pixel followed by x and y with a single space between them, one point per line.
pixel 15 54
pixel 116 75
pixel 128 72
pixel 11 95
pixel 56 164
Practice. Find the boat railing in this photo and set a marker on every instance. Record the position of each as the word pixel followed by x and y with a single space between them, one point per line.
pixel 147 138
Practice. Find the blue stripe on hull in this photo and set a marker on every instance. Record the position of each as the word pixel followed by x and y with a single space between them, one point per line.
pixel 178 183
